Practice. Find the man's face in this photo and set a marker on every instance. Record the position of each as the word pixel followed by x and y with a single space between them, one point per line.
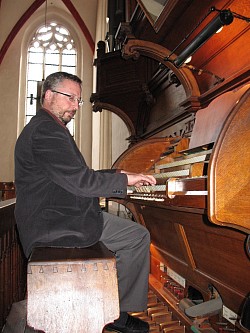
pixel 63 102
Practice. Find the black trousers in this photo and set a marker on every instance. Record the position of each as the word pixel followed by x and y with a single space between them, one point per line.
pixel 130 243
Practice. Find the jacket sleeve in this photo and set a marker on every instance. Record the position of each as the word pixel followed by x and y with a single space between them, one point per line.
pixel 59 159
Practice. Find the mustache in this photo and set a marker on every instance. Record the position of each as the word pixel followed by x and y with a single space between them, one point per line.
pixel 71 112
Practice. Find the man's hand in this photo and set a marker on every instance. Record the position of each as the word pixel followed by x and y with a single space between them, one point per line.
pixel 139 179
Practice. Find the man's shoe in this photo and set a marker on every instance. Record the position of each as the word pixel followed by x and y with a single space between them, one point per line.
pixel 133 325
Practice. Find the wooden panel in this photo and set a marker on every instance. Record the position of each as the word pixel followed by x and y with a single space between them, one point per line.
pixel 209 121
pixel 163 233
pixel 158 14
pixel 229 177
pixel 218 253
pixel 218 55
pixel 12 261
pixel 141 157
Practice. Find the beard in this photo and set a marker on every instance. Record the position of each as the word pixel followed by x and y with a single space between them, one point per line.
pixel 67 116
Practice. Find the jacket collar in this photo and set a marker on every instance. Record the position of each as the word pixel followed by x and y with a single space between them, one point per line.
pixel 54 117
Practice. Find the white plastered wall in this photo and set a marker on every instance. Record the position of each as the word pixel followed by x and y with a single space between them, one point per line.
pixel 109 131
pixel 13 79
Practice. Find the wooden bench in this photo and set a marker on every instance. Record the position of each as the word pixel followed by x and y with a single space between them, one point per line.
pixel 7 191
pixel 72 289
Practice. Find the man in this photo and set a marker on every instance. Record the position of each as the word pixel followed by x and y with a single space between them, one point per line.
pixel 57 198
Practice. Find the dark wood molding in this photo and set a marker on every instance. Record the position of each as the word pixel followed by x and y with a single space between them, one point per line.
pixel 157 24
pixel 135 47
pixel 99 106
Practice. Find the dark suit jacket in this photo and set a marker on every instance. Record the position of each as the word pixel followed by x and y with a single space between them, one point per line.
pixel 57 194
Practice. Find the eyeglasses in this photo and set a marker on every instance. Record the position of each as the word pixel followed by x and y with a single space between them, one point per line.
pixel 72 98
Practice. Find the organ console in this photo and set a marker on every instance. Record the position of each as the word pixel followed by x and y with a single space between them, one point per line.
pixel 198 215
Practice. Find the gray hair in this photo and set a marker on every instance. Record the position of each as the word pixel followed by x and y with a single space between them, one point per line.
pixel 54 79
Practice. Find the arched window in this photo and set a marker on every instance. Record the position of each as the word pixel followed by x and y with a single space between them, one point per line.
pixel 52 49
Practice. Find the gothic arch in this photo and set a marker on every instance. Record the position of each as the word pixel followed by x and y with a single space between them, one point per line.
pixel 30 11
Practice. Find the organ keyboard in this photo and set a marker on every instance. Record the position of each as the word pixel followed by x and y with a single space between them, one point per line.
pixel 200 234
pixel 175 181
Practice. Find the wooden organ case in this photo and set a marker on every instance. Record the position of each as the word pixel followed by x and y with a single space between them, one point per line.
pixel 198 215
